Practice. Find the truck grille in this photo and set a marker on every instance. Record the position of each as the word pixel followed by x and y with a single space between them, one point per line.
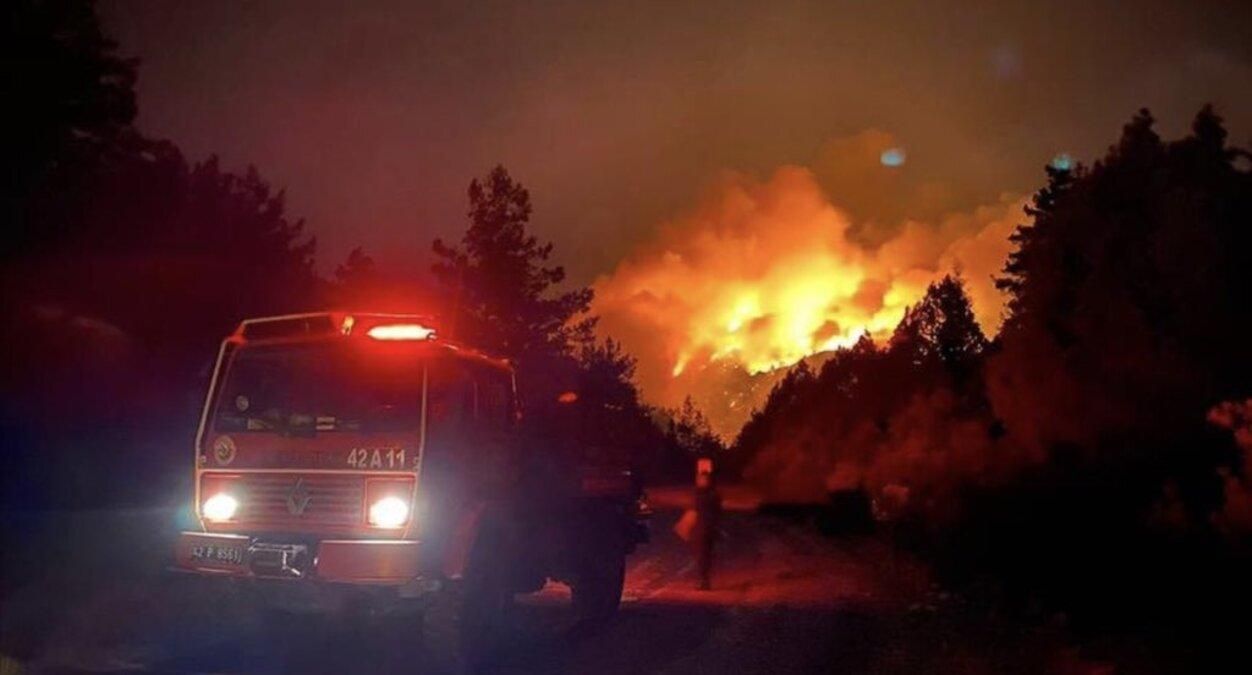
pixel 301 500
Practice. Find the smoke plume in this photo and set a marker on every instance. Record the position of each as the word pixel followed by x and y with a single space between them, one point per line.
pixel 761 274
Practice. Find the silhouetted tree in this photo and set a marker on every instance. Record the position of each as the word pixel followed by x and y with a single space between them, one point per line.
pixel 502 289
pixel 1127 313
pixel 611 420
pixel 785 395
pixel 941 328
pixel 357 283
pixel 876 418
pixel 691 432
pixel 1128 322
pixel 1128 290
pixel 168 256
pixel 357 268
pixel 71 102
pixel 502 294
pixel 1037 249
pixel 124 265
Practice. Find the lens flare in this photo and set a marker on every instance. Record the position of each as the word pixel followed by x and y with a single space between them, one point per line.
pixel 893 157
pixel 1062 162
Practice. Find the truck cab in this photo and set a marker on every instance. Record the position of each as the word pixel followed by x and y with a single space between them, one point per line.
pixel 362 452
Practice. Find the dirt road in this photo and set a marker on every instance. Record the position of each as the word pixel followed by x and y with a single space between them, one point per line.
pixel 786 600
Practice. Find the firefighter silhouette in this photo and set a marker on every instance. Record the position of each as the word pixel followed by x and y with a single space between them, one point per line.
pixel 708 511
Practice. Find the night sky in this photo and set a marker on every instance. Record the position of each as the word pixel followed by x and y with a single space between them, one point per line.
pixel 374 115
pixel 876 144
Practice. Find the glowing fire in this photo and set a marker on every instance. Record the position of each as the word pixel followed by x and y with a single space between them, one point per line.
pixel 803 305
pixel 764 274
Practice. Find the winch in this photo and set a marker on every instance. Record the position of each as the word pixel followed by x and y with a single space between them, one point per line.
pixel 278 560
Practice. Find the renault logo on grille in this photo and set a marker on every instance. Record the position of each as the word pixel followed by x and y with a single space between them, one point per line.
pixel 298 499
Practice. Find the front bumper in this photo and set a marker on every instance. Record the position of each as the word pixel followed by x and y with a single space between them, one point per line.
pixel 350 561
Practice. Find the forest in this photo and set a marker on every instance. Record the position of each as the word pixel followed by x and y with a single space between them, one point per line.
pixel 125 263
pixel 1095 453
pixel 1094 456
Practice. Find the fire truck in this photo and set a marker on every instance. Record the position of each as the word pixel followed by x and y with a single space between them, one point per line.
pixel 360 457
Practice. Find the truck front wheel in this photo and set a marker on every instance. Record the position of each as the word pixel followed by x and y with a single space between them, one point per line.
pixel 468 622
pixel 596 589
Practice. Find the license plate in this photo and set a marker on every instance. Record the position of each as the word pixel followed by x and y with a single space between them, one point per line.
pixel 229 555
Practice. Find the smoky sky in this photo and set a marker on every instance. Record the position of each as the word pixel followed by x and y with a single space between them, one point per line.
pixel 375 115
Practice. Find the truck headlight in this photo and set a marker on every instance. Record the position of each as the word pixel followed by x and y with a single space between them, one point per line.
pixel 389 512
pixel 219 507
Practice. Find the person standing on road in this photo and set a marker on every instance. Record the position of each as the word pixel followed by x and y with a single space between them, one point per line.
pixel 708 508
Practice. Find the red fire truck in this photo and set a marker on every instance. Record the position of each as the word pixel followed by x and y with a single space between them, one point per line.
pixel 357 455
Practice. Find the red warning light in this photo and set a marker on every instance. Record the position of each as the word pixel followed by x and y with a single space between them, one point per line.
pixel 401 331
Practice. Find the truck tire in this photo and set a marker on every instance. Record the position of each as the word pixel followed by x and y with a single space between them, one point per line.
pixel 467 623
pixel 485 611
pixel 596 590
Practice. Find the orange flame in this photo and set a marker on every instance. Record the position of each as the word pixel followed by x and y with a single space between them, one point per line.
pixel 764 274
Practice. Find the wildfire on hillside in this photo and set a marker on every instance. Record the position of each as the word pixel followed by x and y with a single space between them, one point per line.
pixel 762 274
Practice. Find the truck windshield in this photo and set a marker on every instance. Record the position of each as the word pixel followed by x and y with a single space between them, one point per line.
pixel 332 386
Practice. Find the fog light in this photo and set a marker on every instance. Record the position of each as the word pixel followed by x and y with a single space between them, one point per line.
pixel 219 507
pixel 389 512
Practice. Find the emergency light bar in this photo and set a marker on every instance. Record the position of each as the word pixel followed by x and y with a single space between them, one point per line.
pixel 401 331
pixel 324 324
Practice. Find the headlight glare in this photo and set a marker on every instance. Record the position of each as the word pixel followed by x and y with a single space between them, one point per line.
pixel 219 507
pixel 389 512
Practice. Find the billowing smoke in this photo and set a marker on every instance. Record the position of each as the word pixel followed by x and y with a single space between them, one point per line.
pixel 760 274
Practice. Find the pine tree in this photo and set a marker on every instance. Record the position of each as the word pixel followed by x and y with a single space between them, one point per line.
pixel 1034 245
pixel 941 327
pixel 499 281
pixel 72 102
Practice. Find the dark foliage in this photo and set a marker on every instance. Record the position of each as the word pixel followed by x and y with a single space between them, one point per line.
pixel 578 394
pixel 1074 461
pixel 124 264
pixel 879 418
pixel 77 104
pixel 502 290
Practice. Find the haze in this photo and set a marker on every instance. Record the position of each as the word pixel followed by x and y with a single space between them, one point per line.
pixel 374 115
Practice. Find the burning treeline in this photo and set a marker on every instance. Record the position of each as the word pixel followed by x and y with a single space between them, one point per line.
pixel 762 274
pixel 1098 350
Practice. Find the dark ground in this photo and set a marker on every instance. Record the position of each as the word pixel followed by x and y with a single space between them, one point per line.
pixel 86 592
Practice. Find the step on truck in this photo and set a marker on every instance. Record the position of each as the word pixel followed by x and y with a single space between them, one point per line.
pixel 357 458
